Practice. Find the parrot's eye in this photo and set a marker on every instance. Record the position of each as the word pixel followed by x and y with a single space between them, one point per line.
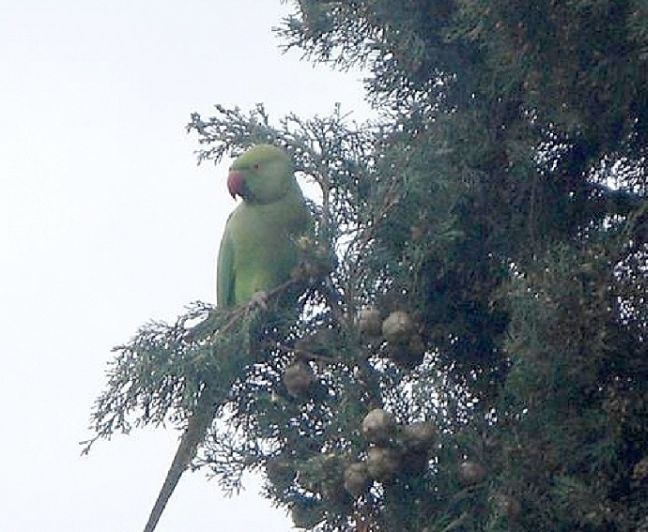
pixel 256 166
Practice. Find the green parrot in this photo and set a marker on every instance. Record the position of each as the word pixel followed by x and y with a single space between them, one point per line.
pixel 257 253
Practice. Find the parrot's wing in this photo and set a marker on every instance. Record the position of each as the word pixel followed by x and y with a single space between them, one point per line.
pixel 225 271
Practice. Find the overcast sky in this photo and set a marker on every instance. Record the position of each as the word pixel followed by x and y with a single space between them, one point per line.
pixel 107 222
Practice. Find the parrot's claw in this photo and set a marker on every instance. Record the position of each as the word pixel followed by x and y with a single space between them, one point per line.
pixel 259 299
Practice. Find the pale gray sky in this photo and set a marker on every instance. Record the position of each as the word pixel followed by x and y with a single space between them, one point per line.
pixel 106 222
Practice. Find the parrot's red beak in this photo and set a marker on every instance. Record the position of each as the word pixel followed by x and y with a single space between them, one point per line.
pixel 236 183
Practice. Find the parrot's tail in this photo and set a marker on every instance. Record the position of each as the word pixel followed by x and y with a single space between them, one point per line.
pixel 196 428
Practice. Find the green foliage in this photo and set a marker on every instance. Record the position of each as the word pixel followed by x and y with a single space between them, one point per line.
pixel 499 200
pixel 162 370
pixel 570 359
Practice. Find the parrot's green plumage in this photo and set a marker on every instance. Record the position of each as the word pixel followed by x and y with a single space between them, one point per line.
pixel 258 250
pixel 257 253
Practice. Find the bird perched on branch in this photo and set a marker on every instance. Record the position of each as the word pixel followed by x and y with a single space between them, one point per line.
pixel 257 253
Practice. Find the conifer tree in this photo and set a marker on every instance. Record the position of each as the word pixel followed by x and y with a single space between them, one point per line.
pixel 470 348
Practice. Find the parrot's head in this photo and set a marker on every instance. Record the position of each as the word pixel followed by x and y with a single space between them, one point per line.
pixel 262 174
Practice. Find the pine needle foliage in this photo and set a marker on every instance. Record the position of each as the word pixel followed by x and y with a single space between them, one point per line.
pixel 493 222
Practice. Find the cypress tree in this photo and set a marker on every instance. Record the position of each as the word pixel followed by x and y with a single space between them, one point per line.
pixel 473 318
